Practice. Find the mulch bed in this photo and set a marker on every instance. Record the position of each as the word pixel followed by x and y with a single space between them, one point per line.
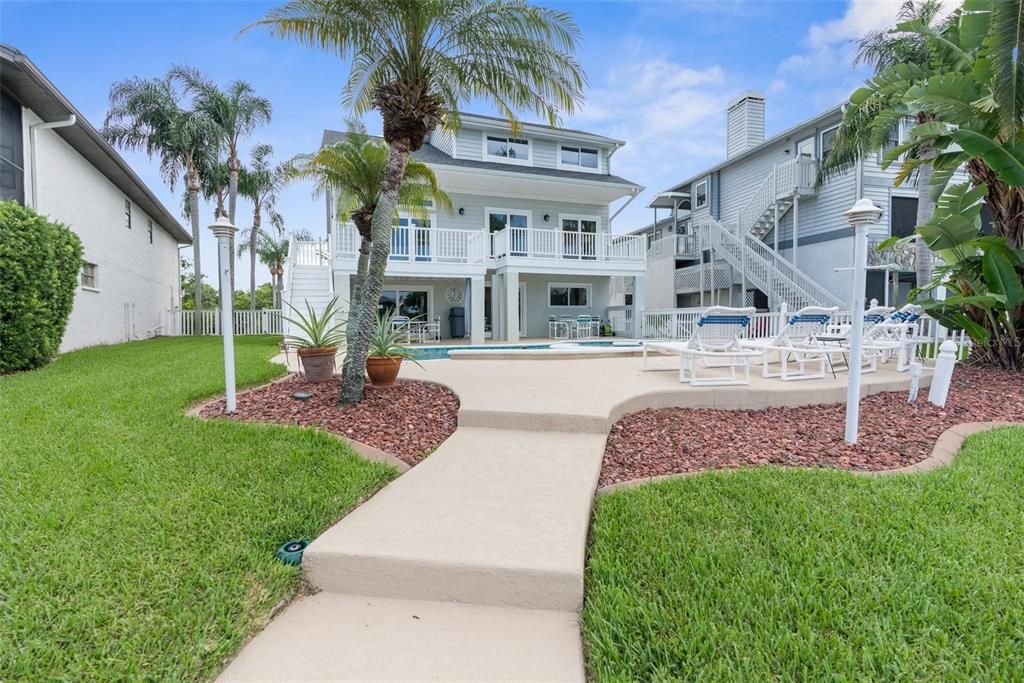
pixel 892 432
pixel 408 420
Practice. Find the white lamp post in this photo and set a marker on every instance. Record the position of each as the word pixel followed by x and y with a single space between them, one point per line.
pixel 862 214
pixel 223 230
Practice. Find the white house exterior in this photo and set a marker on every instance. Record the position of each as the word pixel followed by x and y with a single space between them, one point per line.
pixel 754 228
pixel 527 240
pixel 53 160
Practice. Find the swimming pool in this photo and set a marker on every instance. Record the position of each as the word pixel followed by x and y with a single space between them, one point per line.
pixel 441 352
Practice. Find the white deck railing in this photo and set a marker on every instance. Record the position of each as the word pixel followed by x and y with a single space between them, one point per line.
pixel 426 245
pixel 181 323
pixel 621 319
pixel 784 179
pixel 533 243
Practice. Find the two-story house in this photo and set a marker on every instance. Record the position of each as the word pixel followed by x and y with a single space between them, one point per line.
pixel 53 160
pixel 755 230
pixel 527 240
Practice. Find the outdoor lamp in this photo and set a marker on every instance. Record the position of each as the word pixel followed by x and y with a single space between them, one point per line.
pixel 862 214
pixel 547 217
pixel 223 231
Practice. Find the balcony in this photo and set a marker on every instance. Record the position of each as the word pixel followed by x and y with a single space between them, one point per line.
pixel 564 251
pixel 420 251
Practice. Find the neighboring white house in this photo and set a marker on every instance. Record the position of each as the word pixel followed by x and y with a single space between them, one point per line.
pixel 53 160
pixel 754 228
pixel 527 240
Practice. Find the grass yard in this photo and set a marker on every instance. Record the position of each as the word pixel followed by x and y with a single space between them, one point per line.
pixel 136 542
pixel 812 575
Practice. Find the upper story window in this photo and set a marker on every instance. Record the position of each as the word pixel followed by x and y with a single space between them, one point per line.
pixel 828 138
pixel 89 276
pixel 583 157
pixel 700 194
pixel 507 148
pixel 12 171
pixel 128 214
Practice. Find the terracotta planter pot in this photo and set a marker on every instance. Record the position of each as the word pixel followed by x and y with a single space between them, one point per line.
pixel 318 364
pixel 383 370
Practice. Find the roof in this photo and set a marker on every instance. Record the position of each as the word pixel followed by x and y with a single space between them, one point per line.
pixel 26 83
pixel 429 154
pixel 542 127
pixel 828 113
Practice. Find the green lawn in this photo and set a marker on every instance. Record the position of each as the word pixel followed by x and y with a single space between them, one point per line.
pixel 814 575
pixel 136 542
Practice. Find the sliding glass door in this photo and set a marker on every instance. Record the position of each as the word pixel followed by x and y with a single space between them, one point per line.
pixel 579 237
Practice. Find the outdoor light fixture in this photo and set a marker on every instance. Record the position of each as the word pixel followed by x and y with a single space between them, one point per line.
pixel 546 217
pixel 462 211
pixel 302 395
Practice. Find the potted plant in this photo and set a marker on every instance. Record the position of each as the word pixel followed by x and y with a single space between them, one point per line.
pixel 316 338
pixel 386 353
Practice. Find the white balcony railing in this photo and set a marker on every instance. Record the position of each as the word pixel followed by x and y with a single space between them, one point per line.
pixel 531 243
pixel 422 245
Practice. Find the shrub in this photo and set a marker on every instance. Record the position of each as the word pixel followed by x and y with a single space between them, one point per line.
pixel 39 265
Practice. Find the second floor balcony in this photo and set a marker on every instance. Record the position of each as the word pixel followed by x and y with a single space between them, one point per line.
pixel 431 250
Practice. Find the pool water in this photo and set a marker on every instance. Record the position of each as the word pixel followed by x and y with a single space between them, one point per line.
pixel 441 352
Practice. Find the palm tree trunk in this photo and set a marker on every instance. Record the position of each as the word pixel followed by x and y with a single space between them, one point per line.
pixel 193 201
pixel 925 209
pixel 354 371
pixel 253 238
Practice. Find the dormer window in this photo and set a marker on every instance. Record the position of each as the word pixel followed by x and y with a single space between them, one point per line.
pixel 508 148
pixel 582 157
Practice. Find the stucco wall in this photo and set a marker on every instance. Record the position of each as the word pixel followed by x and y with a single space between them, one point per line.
pixel 137 281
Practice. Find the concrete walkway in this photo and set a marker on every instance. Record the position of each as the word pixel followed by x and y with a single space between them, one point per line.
pixel 470 566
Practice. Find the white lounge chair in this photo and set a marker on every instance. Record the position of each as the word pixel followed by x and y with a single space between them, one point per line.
pixel 796 342
pixel 716 338
pixel 897 333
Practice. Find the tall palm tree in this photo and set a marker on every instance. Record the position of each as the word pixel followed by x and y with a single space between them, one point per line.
pixel 901 59
pixel 273 252
pixel 147 115
pixel 352 169
pixel 260 183
pixel 417 61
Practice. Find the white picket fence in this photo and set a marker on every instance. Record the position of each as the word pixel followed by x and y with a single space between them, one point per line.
pixel 182 323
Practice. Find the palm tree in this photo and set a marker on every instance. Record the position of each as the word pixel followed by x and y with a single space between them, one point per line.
pixel 273 252
pixel 901 59
pixel 352 169
pixel 260 183
pixel 147 115
pixel 417 62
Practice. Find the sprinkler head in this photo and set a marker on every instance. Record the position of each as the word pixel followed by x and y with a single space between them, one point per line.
pixel 291 552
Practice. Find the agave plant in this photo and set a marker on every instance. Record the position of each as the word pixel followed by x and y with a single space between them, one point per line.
pixel 316 330
pixel 386 337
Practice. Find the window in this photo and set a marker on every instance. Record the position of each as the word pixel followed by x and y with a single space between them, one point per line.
pixel 149 226
pixel 805 148
pixel 412 303
pixel 903 216
pixel 827 139
pixel 90 275
pixel 508 148
pixel 700 194
pixel 583 157
pixel 128 214
pixel 410 240
pixel 568 295
pixel 518 240
pixel 12 171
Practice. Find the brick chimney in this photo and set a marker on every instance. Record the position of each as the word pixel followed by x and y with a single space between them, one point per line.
pixel 744 123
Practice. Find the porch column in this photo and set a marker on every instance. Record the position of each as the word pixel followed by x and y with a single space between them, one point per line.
pixel 476 310
pixel 638 306
pixel 512 306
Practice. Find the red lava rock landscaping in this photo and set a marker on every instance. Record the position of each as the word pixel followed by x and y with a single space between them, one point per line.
pixel 893 433
pixel 408 420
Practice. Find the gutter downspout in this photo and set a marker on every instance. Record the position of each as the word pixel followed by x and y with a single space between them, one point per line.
pixel 69 121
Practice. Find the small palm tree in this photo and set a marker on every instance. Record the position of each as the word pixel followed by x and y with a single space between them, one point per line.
pixel 273 252
pixel 237 111
pixel 901 59
pixel 147 115
pixel 353 169
pixel 260 183
pixel 417 62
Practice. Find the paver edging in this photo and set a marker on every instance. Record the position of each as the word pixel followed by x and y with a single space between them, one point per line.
pixel 945 450
pixel 363 450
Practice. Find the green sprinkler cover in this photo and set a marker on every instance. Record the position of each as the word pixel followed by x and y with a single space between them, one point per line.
pixel 291 552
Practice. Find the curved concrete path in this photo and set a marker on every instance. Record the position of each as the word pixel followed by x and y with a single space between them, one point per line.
pixel 470 566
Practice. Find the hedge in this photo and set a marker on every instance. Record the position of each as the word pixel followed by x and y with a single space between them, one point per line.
pixel 39 265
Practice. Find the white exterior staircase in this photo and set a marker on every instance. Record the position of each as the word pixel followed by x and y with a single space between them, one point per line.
pixel 783 183
pixel 307 279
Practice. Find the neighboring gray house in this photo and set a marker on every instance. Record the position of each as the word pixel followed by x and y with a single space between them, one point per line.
pixel 528 237
pixel 753 229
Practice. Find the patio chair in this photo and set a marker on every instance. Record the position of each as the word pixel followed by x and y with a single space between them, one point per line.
pixel 897 333
pixel 587 327
pixel 796 341
pixel 715 343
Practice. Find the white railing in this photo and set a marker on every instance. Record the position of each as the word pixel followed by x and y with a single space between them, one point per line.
pixel 669 323
pixel 532 243
pixel 437 245
pixel 709 276
pixel 621 319
pixel 784 179
pixel 767 270
pixel 309 253
pixel 662 248
pixel 181 323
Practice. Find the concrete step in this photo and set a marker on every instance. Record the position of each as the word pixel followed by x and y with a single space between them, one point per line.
pixel 493 517
pixel 327 637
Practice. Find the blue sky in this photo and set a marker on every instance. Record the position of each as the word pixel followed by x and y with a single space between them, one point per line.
pixel 660 74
